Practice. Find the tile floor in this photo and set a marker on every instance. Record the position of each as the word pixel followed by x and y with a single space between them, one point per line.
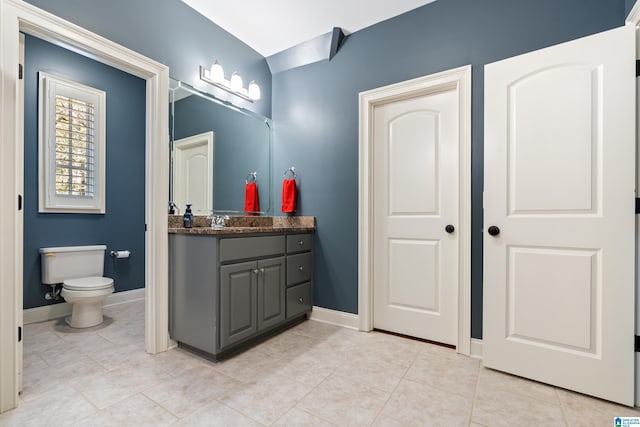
pixel 311 375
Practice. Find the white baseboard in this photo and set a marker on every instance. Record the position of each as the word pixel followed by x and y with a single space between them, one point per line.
pixel 476 348
pixel 55 311
pixel 334 317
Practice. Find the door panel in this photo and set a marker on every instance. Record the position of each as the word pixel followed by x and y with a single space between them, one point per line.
pixel 571 131
pixel 238 302
pixel 271 292
pixel 414 288
pixel 413 163
pixel 560 185
pixel 415 154
pixel 193 173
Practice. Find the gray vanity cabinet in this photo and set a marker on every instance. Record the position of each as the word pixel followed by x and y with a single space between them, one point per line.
pixel 225 290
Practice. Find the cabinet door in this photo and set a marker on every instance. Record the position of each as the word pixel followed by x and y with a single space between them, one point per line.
pixel 271 292
pixel 238 302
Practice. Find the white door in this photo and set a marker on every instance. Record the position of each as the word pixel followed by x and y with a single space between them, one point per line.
pixel 415 192
pixel 559 185
pixel 193 173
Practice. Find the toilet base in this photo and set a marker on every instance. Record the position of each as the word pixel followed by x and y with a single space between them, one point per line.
pixel 87 306
pixel 85 315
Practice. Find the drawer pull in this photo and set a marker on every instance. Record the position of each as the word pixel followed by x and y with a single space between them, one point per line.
pixel 300 268
pixel 301 242
pixel 301 300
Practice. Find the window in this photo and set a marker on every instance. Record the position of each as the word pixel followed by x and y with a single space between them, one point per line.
pixel 71 146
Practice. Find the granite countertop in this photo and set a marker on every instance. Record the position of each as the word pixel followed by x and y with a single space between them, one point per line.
pixel 244 225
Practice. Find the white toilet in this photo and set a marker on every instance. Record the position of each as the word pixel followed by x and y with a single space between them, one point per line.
pixel 79 269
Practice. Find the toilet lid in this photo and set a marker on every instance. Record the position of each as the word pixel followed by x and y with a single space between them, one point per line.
pixel 87 283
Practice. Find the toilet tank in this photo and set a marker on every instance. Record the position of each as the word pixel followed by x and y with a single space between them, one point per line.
pixel 71 262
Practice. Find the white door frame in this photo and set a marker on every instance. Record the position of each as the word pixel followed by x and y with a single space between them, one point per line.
pixel 458 79
pixel 634 19
pixel 17 16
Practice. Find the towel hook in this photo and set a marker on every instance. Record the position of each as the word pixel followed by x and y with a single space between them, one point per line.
pixel 251 175
pixel 292 169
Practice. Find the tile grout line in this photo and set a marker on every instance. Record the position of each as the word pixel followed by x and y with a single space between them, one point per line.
pixel 475 395
pixel 404 377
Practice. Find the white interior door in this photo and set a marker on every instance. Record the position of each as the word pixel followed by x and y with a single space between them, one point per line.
pixel 560 186
pixel 193 173
pixel 415 187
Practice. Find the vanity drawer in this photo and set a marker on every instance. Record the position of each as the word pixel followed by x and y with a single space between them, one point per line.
pixel 298 268
pixel 298 299
pixel 298 243
pixel 250 247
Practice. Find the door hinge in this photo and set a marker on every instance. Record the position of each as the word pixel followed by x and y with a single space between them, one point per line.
pixel 19 333
pixel 637 67
pixel 145 226
pixel 637 345
pixel 20 71
pixel 19 202
pixel 637 205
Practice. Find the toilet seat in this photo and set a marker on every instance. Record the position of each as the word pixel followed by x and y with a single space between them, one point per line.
pixel 95 283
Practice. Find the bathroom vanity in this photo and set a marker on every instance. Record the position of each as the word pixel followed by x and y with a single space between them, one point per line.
pixel 230 287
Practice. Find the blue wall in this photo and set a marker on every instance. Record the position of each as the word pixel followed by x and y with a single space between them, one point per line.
pixel 172 33
pixel 628 6
pixel 241 146
pixel 122 227
pixel 315 110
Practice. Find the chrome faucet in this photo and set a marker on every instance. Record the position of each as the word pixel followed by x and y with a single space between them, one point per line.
pixel 217 221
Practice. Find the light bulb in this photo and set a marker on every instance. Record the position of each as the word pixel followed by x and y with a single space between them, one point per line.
pixel 217 72
pixel 236 82
pixel 254 90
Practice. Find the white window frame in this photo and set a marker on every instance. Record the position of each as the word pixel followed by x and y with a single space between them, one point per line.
pixel 49 201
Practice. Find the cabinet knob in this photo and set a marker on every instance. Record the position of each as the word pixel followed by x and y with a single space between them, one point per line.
pixel 301 300
pixel 262 270
pixel 301 242
pixel 300 268
pixel 255 271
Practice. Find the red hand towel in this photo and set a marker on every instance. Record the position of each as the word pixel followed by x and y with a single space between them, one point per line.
pixel 251 203
pixel 289 195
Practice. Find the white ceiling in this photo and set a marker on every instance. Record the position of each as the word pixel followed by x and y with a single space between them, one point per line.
pixel 271 26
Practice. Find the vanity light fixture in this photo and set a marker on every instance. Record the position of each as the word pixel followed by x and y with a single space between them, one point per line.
pixel 254 90
pixel 236 82
pixel 215 76
pixel 217 72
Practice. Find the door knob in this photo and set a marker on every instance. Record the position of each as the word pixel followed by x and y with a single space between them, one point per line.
pixel 449 228
pixel 493 230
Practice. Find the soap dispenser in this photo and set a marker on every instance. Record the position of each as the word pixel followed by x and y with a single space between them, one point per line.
pixel 188 217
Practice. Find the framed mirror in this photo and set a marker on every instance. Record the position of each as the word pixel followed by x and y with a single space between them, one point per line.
pixel 216 150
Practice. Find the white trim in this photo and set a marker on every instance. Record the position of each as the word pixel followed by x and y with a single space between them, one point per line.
pixel 55 311
pixel 476 348
pixel 458 79
pixel 334 317
pixel 634 14
pixel 17 16
pixel 49 87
